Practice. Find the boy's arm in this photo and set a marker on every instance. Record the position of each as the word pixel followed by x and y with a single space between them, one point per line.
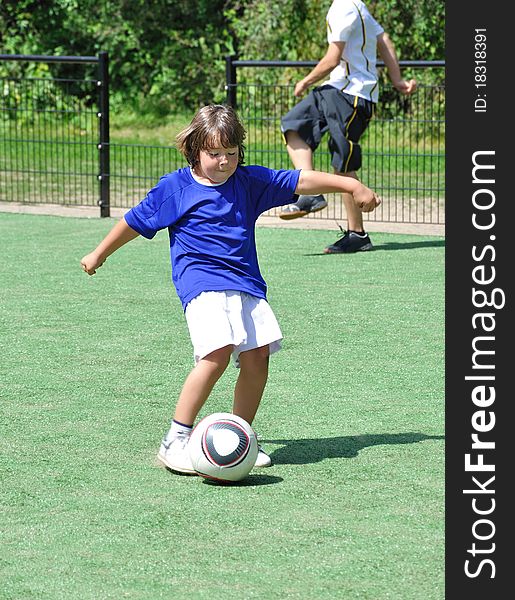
pixel 119 235
pixel 316 182
pixel 386 51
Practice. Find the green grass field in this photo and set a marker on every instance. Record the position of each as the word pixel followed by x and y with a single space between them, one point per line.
pixel 353 416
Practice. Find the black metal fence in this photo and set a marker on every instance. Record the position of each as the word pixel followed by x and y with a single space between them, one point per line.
pixel 54 131
pixel 403 147
pixel 55 143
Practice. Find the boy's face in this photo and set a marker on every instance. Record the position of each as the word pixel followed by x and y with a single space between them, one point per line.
pixel 218 164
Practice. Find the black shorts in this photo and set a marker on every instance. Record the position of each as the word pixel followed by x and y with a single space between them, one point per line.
pixel 345 117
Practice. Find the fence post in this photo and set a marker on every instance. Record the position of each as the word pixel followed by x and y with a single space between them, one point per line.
pixel 230 80
pixel 103 130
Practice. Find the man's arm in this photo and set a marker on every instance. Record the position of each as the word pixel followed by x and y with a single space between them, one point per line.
pixel 330 60
pixel 386 51
pixel 119 235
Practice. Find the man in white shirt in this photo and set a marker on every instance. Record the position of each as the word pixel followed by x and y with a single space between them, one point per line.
pixel 342 106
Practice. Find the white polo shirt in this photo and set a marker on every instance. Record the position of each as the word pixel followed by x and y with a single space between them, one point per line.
pixel 349 21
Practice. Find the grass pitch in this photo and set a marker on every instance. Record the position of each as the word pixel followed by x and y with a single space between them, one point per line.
pixel 353 416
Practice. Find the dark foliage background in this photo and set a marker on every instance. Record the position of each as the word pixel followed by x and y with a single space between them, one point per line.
pixel 167 56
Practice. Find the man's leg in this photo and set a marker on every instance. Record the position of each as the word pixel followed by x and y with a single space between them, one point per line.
pixel 354 215
pixel 301 156
pixel 300 153
pixel 355 239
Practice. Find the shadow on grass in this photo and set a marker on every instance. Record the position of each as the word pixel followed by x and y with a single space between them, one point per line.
pixel 394 246
pixel 305 451
pixel 410 245
pixel 250 480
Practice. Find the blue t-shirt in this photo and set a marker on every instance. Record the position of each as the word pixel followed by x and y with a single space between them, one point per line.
pixel 211 228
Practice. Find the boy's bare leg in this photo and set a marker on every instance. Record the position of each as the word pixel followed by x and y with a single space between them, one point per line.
pixel 199 384
pixel 251 382
pixel 173 452
pixel 249 390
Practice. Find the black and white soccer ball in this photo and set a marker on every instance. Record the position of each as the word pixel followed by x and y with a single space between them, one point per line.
pixel 223 447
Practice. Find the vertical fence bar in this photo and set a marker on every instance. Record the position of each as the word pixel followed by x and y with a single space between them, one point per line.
pixel 230 80
pixel 103 128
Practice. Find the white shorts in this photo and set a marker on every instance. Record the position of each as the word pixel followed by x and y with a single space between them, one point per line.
pixel 219 319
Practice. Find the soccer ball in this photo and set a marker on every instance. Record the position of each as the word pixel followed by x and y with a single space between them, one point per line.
pixel 223 447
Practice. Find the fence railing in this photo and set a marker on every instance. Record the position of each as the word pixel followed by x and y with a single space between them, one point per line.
pixel 403 148
pixel 55 142
pixel 54 132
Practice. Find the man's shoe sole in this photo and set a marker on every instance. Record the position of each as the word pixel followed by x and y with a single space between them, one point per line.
pixel 362 249
pixel 288 216
pixel 164 463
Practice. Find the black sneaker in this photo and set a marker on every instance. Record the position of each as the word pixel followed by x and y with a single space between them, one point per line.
pixel 303 206
pixel 350 242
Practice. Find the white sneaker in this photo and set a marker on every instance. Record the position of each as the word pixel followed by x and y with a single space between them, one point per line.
pixel 262 460
pixel 175 455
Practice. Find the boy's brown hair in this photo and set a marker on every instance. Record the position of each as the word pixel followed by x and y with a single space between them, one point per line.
pixel 213 125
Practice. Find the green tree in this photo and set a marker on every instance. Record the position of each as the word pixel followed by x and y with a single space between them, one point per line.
pixel 168 55
pixel 295 30
pixel 164 54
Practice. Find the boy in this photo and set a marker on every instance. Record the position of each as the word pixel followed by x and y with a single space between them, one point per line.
pixel 210 209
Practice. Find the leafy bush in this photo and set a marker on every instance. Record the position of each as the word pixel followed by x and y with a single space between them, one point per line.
pixel 168 55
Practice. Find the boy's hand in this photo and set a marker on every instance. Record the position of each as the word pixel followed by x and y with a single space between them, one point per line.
pixel 91 262
pixel 366 199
